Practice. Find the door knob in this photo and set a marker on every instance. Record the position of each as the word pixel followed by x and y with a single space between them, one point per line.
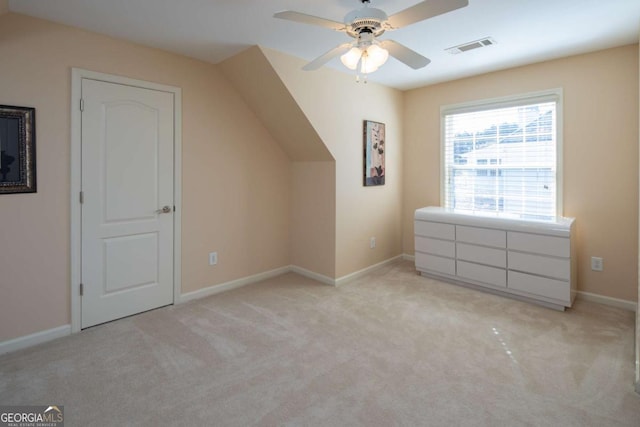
pixel 165 209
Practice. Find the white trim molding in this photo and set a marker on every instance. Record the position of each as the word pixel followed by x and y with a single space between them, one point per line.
pixel 34 339
pixel 612 302
pixel 77 74
pixel 233 284
pixel 549 95
pixel 408 257
pixel 313 275
pixel 353 276
pixel 244 281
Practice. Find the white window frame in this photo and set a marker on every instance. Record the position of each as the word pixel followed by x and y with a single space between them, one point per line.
pixel 550 95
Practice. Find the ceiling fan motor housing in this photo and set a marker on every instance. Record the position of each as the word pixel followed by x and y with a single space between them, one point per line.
pixel 367 20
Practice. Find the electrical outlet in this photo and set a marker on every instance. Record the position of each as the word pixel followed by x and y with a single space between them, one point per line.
pixel 596 263
pixel 213 258
pixel 372 242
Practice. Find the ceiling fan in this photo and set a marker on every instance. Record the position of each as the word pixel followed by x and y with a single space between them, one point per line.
pixel 365 25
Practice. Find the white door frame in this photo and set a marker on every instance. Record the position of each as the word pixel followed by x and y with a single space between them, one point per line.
pixel 77 74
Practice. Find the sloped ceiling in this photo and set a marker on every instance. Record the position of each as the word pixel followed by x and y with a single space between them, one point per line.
pixel 254 78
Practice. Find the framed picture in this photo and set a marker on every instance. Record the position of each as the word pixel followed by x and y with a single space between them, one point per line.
pixel 17 149
pixel 374 152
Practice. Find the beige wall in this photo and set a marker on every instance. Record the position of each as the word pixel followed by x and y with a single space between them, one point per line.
pixel 236 178
pixel 638 306
pixel 313 217
pixel 313 198
pixel 336 106
pixel 600 154
pixel 4 6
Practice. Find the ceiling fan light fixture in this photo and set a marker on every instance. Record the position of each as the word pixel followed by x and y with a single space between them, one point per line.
pixel 369 58
pixel 351 58
pixel 366 67
pixel 377 55
pixel 367 64
pixel 372 58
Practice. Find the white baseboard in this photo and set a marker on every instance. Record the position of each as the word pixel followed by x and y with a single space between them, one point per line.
pixel 313 275
pixel 34 339
pixel 233 284
pixel 408 257
pixel 352 276
pixel 613 302
pixel 216 289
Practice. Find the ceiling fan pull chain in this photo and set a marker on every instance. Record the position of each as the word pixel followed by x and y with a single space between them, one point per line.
pixel 364 77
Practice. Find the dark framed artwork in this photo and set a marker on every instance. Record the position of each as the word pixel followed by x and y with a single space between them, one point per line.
pixel 17 149
pixel 374 153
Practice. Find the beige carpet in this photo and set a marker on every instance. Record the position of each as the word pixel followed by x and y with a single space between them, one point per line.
pixel 392 348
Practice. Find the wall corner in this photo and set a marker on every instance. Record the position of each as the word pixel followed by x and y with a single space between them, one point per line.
pixel 637 337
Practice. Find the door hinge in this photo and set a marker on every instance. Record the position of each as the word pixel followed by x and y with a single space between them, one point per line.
pixel 81 104
pixel 81 289
pixel 82 197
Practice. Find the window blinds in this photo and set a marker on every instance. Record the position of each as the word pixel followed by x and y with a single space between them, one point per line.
pixel 501 158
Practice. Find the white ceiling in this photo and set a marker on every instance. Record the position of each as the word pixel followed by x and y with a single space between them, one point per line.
pixel 526 31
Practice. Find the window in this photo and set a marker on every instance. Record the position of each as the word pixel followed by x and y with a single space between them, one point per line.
pixel 501 157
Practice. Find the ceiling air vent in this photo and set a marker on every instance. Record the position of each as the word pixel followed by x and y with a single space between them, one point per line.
pixel 476 44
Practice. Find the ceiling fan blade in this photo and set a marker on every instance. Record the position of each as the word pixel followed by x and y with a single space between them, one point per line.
pixel 321 60
pixel 309 19
pixel 424 10
pixel 404 54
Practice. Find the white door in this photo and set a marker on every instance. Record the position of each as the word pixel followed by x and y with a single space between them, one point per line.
pixel 127 180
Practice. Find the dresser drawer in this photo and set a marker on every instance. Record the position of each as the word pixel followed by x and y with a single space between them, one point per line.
pixel 435 263
pixel 431 246
pixel 435 229
pixel 542 286
pixel 545 245
pixel 481 236
pixel 482 255
pixel 482 273
pixel 560 268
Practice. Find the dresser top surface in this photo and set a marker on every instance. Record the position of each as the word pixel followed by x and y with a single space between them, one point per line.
pixel 560 226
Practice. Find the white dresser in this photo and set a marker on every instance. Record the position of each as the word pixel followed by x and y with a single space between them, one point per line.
pixel 532 260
